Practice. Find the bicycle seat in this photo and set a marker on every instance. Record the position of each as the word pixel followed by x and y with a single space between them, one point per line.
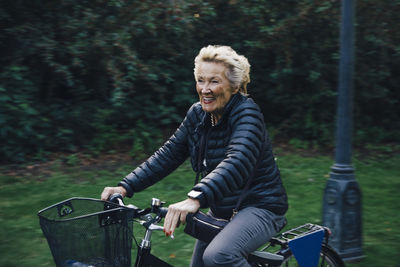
pixel 265 257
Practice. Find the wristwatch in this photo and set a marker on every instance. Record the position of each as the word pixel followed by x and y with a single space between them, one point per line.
pixel 194 194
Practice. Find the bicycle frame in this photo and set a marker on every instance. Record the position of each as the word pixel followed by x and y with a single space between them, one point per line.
pixel 144 258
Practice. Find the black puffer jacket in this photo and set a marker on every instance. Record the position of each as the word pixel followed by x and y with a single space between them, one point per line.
pixel 233 150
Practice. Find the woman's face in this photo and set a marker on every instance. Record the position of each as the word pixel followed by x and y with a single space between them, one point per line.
pixel 213 87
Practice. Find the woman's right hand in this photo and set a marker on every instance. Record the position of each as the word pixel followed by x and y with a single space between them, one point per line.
pixel 177 214
pixel 108 191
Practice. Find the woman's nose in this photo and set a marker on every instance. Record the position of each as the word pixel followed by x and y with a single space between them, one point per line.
pixel 205 89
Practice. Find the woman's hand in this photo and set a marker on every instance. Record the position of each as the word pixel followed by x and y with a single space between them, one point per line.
pixel 108 191
pixel 177 214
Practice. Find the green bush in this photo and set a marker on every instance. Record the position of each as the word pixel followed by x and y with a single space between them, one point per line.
pixel 86 74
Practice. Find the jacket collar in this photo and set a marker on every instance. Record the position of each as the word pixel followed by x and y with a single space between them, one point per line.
pixel 206 119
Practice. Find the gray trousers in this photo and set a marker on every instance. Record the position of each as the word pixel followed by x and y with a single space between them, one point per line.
pixel 248 230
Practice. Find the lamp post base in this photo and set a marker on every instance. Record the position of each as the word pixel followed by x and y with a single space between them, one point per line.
pixel 342 212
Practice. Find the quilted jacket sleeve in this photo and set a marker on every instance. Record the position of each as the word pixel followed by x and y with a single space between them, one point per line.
pixel 231 174
pixel 165 160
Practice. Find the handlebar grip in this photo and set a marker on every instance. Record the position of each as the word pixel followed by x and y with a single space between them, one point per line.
pixel 115 198
pixel 163 212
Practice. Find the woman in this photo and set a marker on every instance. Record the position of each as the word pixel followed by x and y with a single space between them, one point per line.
pixel 224 135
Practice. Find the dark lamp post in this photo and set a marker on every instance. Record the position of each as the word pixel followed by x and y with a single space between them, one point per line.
pixel 342 195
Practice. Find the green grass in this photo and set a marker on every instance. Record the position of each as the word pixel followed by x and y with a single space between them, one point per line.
pixel 22 196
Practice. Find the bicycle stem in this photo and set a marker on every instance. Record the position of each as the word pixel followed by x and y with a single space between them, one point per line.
pixel 146 243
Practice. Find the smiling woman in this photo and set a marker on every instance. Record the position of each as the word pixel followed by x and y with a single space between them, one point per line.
pixel 225 136
pixel 220 72
pixel 214 88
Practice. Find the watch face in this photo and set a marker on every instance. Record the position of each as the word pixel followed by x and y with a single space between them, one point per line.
pixel 194 194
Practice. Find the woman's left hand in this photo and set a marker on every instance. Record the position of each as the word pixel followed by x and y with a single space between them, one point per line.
pixel 177 214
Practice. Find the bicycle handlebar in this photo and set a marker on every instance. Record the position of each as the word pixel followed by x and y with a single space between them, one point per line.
pixel 116 198
pixel 156 206
pixel 147 220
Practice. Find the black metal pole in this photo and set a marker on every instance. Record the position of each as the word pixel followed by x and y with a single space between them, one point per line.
pixel 345 88
pixel 342 195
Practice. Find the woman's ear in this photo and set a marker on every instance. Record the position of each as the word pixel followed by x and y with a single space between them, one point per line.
pixel 235 90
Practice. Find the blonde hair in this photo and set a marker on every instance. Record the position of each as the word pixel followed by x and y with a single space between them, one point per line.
pixel 238 67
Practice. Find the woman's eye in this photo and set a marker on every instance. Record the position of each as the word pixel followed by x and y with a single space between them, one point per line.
pixel 214 81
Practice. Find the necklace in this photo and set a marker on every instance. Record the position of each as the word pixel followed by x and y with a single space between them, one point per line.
pixel 212 120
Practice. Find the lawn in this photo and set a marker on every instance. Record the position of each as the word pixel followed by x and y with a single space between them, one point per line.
pixel 23 194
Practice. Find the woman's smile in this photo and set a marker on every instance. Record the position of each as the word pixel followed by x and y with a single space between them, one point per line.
pixel 208 100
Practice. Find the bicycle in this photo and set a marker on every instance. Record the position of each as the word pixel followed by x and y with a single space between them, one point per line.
pixel 91 232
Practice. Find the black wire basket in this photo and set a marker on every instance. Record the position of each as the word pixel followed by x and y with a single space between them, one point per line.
pixel 89 232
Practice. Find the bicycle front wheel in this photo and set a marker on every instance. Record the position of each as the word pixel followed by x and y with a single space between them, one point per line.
pixel 328 258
